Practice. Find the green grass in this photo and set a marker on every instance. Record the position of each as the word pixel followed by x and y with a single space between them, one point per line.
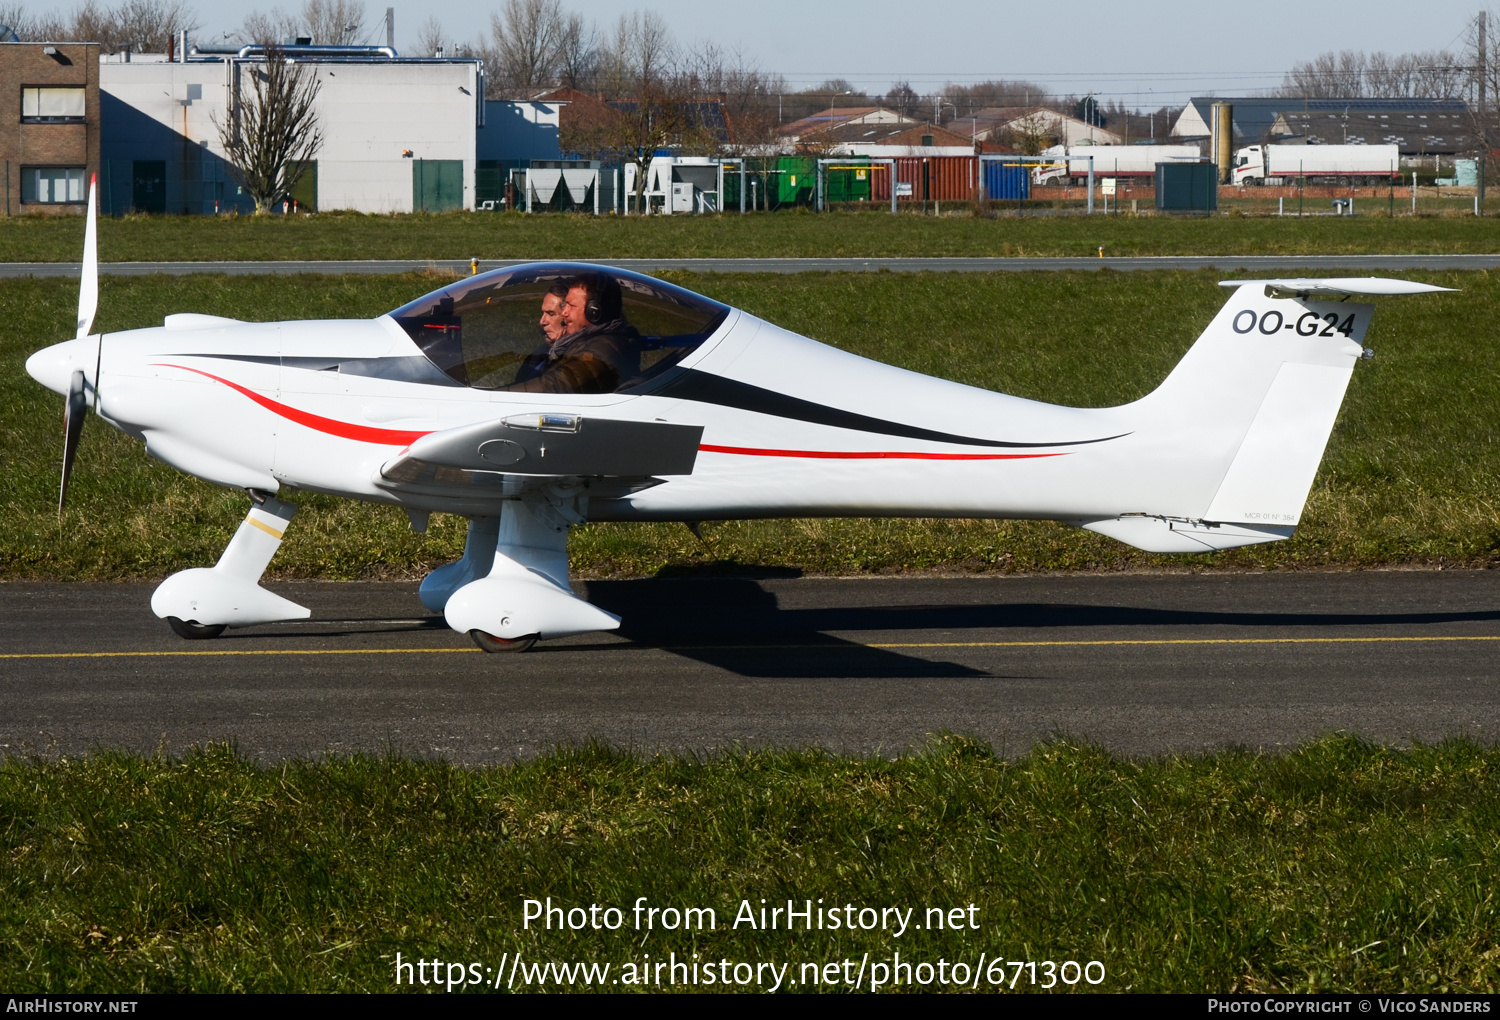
pixel 1411 476
pixel 507 236
pixel 1339 867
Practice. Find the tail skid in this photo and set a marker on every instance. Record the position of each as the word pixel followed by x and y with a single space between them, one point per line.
pixel 1232 439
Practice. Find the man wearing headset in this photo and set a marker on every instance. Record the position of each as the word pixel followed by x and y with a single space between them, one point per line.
pixel 597 350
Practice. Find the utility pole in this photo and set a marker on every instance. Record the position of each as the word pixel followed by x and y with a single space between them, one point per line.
pixel 1484 134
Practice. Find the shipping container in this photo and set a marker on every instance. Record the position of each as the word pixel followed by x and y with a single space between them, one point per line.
pixel 847 180
pixel 1007 180
pixel 1187 187
pixel 796 180
pixel 932 178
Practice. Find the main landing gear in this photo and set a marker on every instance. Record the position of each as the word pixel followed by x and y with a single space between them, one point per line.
pixel 511 587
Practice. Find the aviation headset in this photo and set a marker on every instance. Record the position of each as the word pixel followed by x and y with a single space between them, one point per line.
pixel 604 301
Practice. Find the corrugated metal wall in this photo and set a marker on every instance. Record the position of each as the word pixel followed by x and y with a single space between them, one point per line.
pixel 932 178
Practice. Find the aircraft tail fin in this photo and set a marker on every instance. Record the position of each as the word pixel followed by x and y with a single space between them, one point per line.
pixel 1238 429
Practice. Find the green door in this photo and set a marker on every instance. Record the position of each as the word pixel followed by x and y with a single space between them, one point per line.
pixel 148 191
pixel 437 185
pixel 305 191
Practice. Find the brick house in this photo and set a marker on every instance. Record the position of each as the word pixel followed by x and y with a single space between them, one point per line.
pixel 49 125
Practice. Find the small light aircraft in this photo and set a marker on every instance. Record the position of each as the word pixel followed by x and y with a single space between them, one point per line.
pixel 659 404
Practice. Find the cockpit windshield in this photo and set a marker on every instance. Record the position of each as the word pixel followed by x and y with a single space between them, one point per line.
pixel 559 328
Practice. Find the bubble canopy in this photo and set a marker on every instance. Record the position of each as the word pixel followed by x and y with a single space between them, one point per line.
pixel 484 331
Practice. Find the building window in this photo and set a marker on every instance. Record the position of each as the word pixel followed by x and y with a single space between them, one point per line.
pixel 47 104
pixel 51 185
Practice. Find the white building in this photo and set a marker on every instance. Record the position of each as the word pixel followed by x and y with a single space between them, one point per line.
pixel 398 134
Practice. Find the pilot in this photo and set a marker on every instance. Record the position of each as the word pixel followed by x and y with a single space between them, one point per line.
pixel 598 349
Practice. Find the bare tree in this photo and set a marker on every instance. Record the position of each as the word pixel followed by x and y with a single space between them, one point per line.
pixel 989 94
pixel 140 25
pixel 577 53
pixel 1352 74
pixel 272 134
pixel 270 29
pixel 19 23
pixel 1031 133
pixel 903 99
pixel 430 37
pixel 526 36
pixel 335 22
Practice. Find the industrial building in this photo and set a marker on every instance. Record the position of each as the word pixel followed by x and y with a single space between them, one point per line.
pixel 49 140
pixel 1418 127
pixel 399 135
pixel 887 140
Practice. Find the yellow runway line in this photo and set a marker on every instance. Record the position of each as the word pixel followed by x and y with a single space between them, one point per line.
pixel 234 651
pixel 1183 641
pixel 834 644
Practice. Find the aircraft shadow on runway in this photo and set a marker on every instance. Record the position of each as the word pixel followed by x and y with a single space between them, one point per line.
pixel 738 625
pixel 679 610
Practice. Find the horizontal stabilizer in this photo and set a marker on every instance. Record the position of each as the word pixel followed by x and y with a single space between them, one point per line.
pixel 1367 286
pixel 1164 535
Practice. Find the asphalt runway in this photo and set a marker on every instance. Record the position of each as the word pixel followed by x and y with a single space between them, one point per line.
pixel 1224 263
pixel 1142 664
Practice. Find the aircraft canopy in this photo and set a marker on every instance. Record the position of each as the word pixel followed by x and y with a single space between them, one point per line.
pixel 485 331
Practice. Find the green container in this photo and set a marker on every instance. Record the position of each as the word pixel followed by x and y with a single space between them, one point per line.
pixel 796 180
pixel 1187 187
pixel 848 180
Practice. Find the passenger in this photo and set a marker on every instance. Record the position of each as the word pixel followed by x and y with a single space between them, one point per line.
pixel 552 309
pixel 551 324
pixel 598 350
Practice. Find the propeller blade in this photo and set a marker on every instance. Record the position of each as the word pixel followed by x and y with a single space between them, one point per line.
pixel 88 287
pixel 73 413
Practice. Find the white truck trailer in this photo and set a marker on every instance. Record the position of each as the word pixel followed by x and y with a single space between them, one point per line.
pixel 1316 164
pixel 1071 166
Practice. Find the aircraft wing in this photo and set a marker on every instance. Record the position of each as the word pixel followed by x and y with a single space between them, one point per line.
pixel 546 445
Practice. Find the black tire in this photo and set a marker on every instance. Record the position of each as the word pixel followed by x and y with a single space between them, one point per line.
pixel 493 644
pixel 192 630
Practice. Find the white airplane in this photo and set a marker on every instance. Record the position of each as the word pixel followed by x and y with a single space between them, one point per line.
pixel 658 404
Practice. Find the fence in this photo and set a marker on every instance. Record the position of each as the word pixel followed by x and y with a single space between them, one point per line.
pixel 193 186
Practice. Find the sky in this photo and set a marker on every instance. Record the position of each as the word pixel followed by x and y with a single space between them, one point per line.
pixel 1145 55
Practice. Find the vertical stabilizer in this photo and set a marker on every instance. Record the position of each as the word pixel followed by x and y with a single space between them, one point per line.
pixel 1239 426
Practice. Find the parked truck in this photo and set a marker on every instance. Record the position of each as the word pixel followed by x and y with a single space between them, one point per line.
pixel 1071 166
pixel 1316 164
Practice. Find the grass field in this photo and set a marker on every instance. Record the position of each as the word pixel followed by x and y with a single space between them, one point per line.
pixel 1339 867
pixel 508 236
pixel 1411 477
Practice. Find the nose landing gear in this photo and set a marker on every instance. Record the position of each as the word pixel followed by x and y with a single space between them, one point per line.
pixel 493 644
pixel 194 631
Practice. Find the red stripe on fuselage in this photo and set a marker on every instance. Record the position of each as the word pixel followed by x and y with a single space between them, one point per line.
pixel 331 426
pixel 746 451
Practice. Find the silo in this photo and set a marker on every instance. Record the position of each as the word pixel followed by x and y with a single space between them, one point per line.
pixel 1223 140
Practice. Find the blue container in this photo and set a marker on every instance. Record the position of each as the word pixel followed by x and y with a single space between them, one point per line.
pixel 1007 181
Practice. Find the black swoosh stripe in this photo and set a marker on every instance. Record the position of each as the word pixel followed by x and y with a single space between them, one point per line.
pixel 715 389
pixel 413 369
pixel 702 387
